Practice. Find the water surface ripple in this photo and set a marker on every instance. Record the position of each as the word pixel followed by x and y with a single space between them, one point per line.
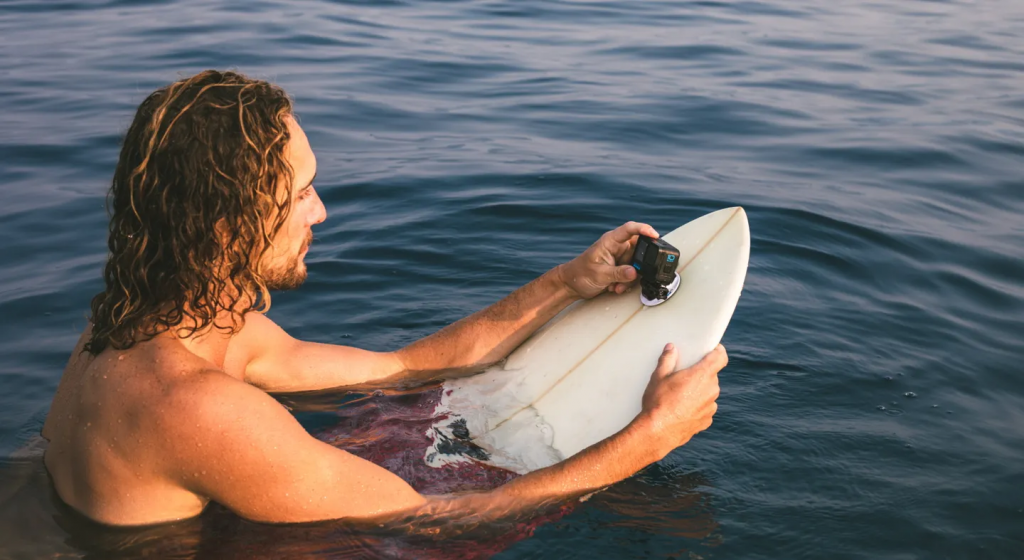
pixel 874 403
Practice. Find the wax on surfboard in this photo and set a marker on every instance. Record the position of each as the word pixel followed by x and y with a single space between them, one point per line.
pixel 581 377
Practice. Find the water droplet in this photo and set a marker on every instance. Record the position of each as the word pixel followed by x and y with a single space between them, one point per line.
pixel 888 378
pixel 881 407
pixel 894 403
pixel 910 395
pixel 907 445
pixel 935 406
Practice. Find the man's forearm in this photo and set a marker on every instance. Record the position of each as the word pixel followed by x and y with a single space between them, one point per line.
pixel 600 465
pixel 481 339
pixel 489 335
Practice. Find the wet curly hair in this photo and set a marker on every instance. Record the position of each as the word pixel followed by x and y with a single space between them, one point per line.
pixel 194 204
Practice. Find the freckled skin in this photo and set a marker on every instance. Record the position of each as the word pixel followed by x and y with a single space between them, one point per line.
pixel 154 433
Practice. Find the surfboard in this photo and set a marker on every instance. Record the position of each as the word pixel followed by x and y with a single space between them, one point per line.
pixel 581 377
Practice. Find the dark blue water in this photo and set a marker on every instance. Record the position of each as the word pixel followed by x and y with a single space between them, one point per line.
pixel 874 402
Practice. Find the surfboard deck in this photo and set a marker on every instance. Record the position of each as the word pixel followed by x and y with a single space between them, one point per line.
pixel 581 377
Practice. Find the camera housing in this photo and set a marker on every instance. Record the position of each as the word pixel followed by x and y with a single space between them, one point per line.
pixel 655 261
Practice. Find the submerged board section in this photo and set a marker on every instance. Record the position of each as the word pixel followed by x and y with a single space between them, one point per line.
pixel 581 377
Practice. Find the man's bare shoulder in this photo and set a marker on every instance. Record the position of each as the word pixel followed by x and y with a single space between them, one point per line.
pixel 257 328
pixel 202 393
pixel 94 386
pixel 172 388
pixel 203 416
pixel 259 337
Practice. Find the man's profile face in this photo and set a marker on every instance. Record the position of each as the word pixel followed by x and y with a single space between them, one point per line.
pixel 284 264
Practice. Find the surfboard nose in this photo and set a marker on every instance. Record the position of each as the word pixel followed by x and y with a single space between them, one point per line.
pixel 739 211
pixel 739 214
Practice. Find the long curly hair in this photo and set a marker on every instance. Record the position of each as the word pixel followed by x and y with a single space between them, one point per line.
pixel 195 202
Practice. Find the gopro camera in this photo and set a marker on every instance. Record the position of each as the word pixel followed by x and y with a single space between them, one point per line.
pixel 655 261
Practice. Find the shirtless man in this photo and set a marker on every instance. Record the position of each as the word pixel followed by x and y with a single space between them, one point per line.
pixel 163 405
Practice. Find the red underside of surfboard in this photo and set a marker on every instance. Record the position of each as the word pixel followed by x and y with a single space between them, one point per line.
pixel 391 431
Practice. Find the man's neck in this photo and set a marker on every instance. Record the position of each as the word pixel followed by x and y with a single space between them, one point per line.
pixel 210 344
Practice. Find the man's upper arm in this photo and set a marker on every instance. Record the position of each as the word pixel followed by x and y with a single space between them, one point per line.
pixel 239 447
pixel 275 361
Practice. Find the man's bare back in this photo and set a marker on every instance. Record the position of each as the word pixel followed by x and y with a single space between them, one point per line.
pixel 108 452
pixel 164 404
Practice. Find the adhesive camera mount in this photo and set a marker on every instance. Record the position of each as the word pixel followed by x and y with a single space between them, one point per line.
pixel 655 261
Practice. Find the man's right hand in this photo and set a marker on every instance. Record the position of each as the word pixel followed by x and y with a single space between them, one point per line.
pixel 679 404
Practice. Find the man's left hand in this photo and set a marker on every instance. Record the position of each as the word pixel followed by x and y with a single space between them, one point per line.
pixel 605 265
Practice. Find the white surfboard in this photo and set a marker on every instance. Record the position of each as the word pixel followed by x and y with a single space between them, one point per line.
pixel 581 377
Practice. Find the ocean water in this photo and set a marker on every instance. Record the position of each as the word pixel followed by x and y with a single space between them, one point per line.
pixel 873 406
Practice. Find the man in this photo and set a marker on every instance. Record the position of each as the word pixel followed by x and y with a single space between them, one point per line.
pixel 163 405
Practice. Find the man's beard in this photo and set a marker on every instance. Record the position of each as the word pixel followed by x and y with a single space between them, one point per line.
pixel 287 278
pixel 293 274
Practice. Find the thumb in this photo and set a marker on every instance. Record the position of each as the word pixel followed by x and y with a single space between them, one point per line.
pixel 625 274
pixel 667 361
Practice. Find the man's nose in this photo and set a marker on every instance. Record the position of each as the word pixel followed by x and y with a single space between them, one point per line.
pixel 320 211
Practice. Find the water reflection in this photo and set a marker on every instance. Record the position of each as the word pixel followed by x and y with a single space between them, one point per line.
pixel 672 505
